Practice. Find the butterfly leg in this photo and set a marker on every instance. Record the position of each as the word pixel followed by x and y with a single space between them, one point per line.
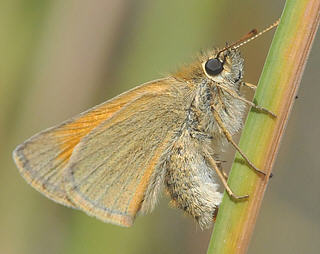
pixel 229 138
pixel 225 174
pixel 252 104
pixel 249 85
pixel 223 179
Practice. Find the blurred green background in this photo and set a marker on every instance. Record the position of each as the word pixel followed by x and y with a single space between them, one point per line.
pixel 60 57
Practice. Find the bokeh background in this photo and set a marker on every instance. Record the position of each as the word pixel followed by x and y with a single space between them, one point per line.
pixel 60 57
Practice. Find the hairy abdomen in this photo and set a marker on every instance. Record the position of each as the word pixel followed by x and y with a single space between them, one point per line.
pixel 189 181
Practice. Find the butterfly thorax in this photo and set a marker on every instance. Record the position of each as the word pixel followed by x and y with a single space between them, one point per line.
pixel 209 96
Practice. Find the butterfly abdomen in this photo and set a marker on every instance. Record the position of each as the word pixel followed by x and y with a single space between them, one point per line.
pixel 189 181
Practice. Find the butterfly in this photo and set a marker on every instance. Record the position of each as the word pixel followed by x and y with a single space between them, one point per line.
pixel 114 160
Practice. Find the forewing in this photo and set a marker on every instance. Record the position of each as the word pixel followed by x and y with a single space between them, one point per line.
pixel 42 159
pixel 111 167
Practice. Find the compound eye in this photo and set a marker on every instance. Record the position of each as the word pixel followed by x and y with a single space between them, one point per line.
pixel 213 66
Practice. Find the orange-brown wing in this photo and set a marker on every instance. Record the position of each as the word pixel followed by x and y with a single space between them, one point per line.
pixel 111 168
pixel 42 159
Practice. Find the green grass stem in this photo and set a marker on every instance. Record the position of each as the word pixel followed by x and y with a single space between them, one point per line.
pixel 261 135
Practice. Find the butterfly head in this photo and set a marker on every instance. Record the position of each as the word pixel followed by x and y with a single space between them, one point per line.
pixel 214 66
pixel 223 66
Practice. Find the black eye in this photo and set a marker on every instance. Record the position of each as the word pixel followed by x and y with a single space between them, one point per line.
pixel 213 66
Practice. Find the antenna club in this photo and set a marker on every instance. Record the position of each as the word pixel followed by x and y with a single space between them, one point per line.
pixel 253 34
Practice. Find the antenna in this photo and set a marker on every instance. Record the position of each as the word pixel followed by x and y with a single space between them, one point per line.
pixel 253 34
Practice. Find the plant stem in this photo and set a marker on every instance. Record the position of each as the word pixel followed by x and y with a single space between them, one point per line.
pixel 262 134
